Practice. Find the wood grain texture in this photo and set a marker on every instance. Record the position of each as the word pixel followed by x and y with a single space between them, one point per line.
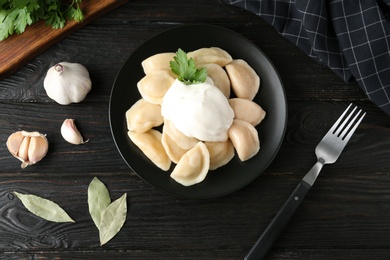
pixel 17 50
pixel 344 216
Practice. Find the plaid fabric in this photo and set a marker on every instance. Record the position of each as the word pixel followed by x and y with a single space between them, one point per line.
pixel 351 37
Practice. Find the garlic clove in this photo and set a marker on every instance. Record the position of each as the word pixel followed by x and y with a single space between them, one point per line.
pixel 28 147
pixel 23 149
pixel 37 149
pixel 70 132
pixel 14 141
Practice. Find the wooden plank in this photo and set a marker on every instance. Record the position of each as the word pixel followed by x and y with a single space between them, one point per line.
pixel 161 224
pixel 17 50
pixel 345 216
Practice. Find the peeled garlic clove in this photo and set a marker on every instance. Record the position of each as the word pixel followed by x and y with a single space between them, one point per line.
pixel 67 83
pixel 28 147
pixel 70 132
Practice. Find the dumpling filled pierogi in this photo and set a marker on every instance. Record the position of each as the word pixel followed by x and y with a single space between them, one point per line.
pixel 150 144
pixel 193 166
pixel 143 116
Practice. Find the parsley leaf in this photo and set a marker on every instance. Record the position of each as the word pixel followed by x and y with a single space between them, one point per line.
pixel 74 14
pixel 16 15
pixel 186 69
pixel 20 24
pixel 7 18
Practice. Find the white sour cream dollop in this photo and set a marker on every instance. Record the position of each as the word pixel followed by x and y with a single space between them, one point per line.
pixel 199 110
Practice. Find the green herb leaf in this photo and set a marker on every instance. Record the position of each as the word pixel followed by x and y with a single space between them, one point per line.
pixel 186 69
pixel 44 208
pixel 98 200
pixel 7 18
pixel 15 15
pixel 74 13
pixel 113 219
pixel 20 24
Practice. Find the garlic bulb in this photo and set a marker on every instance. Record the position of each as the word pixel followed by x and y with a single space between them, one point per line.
pixel 67 83
pixel 70 132
pixel 28 147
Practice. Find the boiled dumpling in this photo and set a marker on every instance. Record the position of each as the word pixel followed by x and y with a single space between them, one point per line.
pixel 159 61
pixel 247 110
pixel 192 168
pixel 210 55
pixel 219 77
pixel 154 86
pixel 150 144
pixel 220 153
pixel 143 116
pixel 243 78
pixel 178 137
pixel 245 139
pixel 173 151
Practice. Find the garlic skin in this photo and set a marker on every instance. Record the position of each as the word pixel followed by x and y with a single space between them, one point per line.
pixel 70 132
pixel 28 147
pixel 67 83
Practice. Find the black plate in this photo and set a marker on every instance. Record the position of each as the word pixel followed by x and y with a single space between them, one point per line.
pixel 271 97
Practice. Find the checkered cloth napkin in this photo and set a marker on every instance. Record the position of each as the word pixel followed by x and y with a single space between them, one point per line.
pixel 351 37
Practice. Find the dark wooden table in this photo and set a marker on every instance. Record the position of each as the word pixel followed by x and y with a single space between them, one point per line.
pixel 345 215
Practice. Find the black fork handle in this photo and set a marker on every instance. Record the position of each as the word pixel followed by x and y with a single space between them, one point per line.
pixel 279 222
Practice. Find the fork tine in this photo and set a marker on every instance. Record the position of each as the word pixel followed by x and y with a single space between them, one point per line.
pixel 333 128
pixel 341 127
pixel 350 133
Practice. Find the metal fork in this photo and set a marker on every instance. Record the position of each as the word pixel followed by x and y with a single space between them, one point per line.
pixel 327 152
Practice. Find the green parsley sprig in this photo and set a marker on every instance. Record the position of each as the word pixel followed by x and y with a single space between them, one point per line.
pixel 16 15
pixel 186 69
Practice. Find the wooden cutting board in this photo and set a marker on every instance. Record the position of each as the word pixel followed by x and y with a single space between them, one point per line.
pixel 17 50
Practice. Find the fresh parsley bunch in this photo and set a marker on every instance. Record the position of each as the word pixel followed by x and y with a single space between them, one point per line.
pixel 15 15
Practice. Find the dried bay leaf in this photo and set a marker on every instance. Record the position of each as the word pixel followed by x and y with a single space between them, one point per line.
pixel 98 200
pixel 108 217
pixel 44 208
pixel 113 219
